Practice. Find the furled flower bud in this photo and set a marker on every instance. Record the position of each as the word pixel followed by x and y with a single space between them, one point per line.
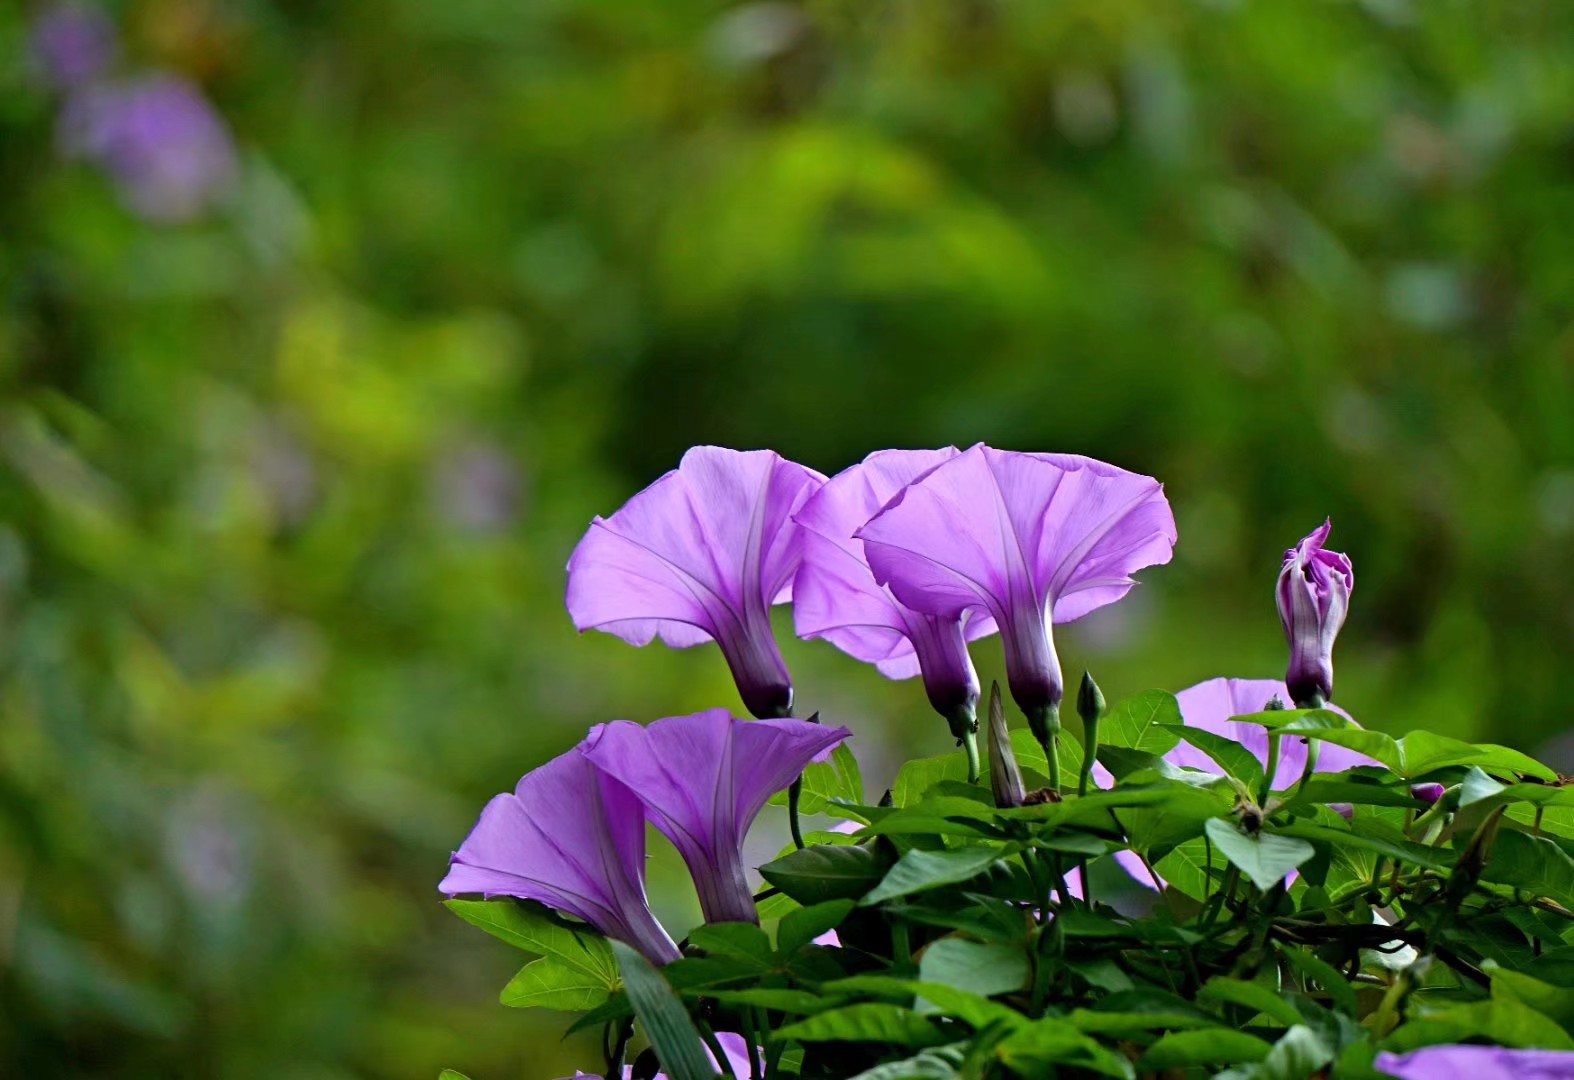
pixel 1313 596
pixel 1005 778
pixel 1426 793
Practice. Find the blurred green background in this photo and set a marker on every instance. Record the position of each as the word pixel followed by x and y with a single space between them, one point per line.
pixel 287 483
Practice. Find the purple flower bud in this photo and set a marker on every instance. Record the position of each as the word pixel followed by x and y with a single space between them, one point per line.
pixel 1427 793
pixel 1343 809
pixel 1313 596
pixel 71 45
pixel 1005 776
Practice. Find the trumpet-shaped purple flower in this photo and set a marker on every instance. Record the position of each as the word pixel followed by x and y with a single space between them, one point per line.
pixel 836 597
pixel 703 779
pixel 1030 539
pixel 701 555
pixel 1313 597
pixel 1209 705
pixel 572 838
pixel 1461 1062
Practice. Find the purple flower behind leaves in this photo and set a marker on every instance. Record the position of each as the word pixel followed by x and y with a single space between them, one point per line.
pixel 835 596
pixel 1313 597
pixel 1461 1062
pixel 1427 793
pixel 701 555
pixel 703 779
pixel 165 147
pixel 72 44
pixel 734 1046
pixel 1210 704
pixel 570 837
pixel 1029 539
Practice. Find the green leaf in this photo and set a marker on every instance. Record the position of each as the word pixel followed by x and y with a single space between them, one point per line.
pixel 919 870
pixel 1298 1054
pixel 1532 863
pixel 801 927
pixel 916 777
pixel 1030 755
pixel 672 1034
pixel 1144 722
pixel 738 940
pixel 1556 1003
pixel 1370 836
pixel 798 1002
pixel 1424 752
pixel 937 1064
pixel 1251 995
pixel 828 872
pixel 1130 1011
pixel 548 983
pixel 1229 755
pixel 1185 869
pixel 1310 967
pixel 864 1022
pixel 1054 1041
pixel 452 1074
pixel 1264 858
pixel 1502 1020
pixel 837 778
pixel 979 968
pixel 1215 1046
pixel 526 927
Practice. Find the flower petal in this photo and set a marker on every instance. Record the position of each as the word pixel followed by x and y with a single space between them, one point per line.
pixel 572 838
pixel 703 779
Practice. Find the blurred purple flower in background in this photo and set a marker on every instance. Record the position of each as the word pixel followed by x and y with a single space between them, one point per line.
pixel 1031 539
pixel 169 153
pixel 836 597
pixel 1209 706
pixel 701 555
pixel 1460 1062
pixel 704 778
pixel 477 488
pixel 1313 596
pixel 572 838
pixel 71 45
pixel 1427 793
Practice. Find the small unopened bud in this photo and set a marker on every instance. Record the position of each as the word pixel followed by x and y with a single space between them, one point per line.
pixel 1090 700
pixel 1343 809
pixel 1275 704
pixel 1005 778
pixel 1426 793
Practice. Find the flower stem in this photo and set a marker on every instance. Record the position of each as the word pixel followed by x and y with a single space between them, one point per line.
pixel 970 747
pixel 1271 768
pixel 794 793
pixel 1052 756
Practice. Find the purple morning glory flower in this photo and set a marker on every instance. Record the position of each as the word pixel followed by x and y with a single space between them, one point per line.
pixel 1460 1062
pixel 701 555
pixel 72 44
pixel 703 779
pixel 572 838
pixel 167 150
pixel 836 597
pixel 1029 539
pixel 1209 706
pixel 1313 596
